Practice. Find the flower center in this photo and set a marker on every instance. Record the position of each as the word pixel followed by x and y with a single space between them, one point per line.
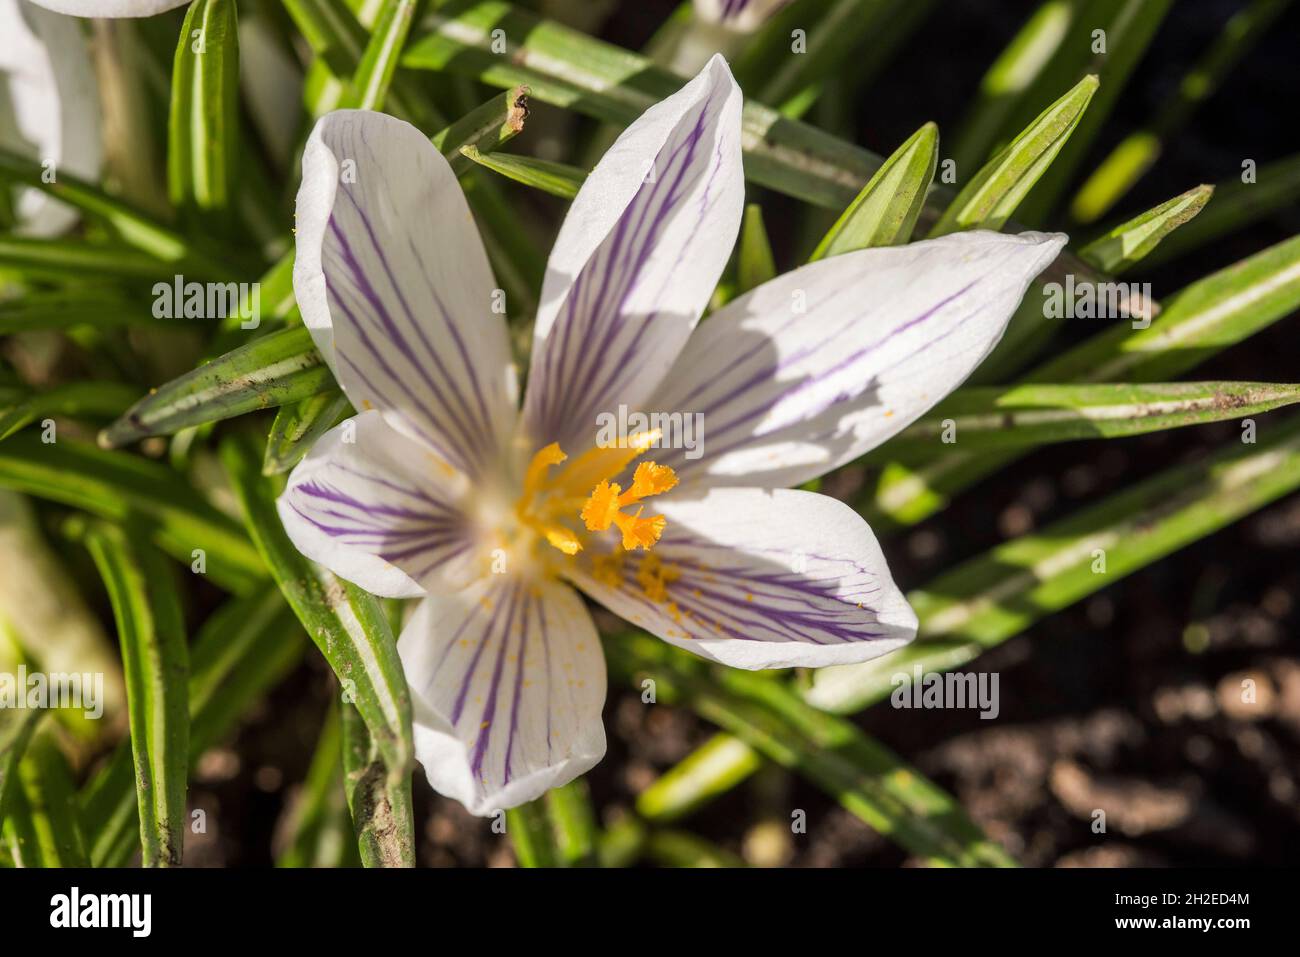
pixel 584 489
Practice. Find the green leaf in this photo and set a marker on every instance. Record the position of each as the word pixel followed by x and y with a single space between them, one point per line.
pixel 297 427
pixel 374 73
pixel 571 70
pixel 1237 204
pixel 16 728
pixel 573 820
pixel 155 661
pixel 885 212
pixel 245 648
pixel 42 828
pixel 1199 322
pixel 709 771
pixel 136 228
pixel 203 129
pixel 754 262
pixel 835 31
pixel 995 596
pixel 558 179
pixel 379 797
pixel 116 486
pixel 1131 241
pixel 768 716
pixel 1029 415
pixel 273 370
pixel 346 623
pixel 530 835
pixel 993 193
pixel 320 830
pixel 73 399
pixel 66 308
pixel 76 261
pixel 683 849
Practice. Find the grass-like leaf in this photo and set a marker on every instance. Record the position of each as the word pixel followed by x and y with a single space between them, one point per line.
pixel 374 73
pixel 885 212
pixel 1237 204
pixel 558 179
pixel 998 595
pixel 711 770
pixel 155 660
pixel 1129 161
pixel 297 427
pixel 379 797
pixel 754 262
pixel 273 370
pixel 1132 241
pixel 1028 415
pixel 1202 320
pixel 866 778
pixel 41 828
pixel 990 197
pixel 347 623
pixel 117 486
pixel 246 647
pixel 573 821
pixel 74 399
pixel 531 835
pixel 203 129
pixel 320 832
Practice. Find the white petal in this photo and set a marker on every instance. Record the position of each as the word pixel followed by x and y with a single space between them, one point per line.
pixel 393 282
pixel 758 578
pixel 637 258
pixel 743 15
pixel 109 9
pixel 823 364
pixel 379 510
pixel 49 107
pixel 508 681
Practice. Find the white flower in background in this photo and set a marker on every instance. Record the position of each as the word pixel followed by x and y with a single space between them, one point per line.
pixel 744 16
pixel 443 488
pixel 49 108
pixel 110 9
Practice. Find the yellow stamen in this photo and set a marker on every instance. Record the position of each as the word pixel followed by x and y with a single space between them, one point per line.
pixel 542 460
pixel 564 539
pixel 605 503
pixel 639 532
pixel 602 506
pixel 651 479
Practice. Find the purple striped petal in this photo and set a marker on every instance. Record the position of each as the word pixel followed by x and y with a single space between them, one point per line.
pixel 393 282
pixel 758 579
pixel 108 9
pixel 380 510
pixel 636 260
pixel 49 108
pixel 743 15
pixel 507 681
pixel 820 365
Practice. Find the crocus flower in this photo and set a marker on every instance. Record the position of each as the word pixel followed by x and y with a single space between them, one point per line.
pixel 49 107
pixel 110 9
pixel 442 487
pixel 744 16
